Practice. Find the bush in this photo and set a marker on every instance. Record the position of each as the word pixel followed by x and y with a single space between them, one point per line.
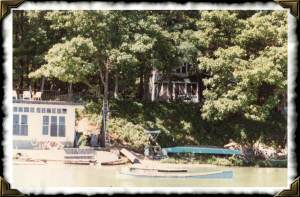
pixel 181 124
pixel 133 135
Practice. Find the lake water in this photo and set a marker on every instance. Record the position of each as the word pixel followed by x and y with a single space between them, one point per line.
pixel 59 175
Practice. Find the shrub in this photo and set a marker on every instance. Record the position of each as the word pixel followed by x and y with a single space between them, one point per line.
pixel 133 135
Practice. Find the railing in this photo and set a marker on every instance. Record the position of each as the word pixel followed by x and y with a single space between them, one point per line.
pixel 48 95
pixel 187 98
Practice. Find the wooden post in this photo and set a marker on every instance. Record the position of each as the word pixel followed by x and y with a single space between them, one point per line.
pixel 168 94
pixel 197 93
pixel 173 93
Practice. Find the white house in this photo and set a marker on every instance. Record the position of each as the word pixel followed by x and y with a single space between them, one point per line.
pixel 36 122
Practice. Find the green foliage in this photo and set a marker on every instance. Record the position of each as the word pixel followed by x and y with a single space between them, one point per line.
pixel 223 161
pixel 271 163
pixel 129 133
pixel 71 61
pixel 31 33
pixel 219 28
pixel 249 77
pixel 205 159
pixel 223 96
pixel 181 124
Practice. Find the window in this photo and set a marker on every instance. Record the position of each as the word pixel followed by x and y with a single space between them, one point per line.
pixel 45 125
pixel 32 109
pixel 53 126
pixel 43 110
pixel 20 109
pixel 24 125
pixel 57 126
pixel 16 126
pixel 15 109
pixel 64 111
pixel 53 110
pixel 62 126
pixel 38 110
pixel 58 111
pixel 26 109
pixel 48 110
pixel 20 127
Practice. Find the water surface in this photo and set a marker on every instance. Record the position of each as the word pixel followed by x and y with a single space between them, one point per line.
pixel 60 175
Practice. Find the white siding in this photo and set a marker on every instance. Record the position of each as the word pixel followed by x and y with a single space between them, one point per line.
pixel 35 123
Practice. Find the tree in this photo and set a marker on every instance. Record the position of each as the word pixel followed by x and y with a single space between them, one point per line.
pixel 241 54
pixel 69 62
pixel 100 45
pixel 247 71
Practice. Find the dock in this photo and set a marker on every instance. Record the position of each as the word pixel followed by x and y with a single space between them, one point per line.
pixel 132 158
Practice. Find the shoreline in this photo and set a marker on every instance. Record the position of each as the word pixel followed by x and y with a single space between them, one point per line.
pixel 44 157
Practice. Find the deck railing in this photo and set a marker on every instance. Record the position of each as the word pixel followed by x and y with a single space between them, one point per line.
pixel 49 95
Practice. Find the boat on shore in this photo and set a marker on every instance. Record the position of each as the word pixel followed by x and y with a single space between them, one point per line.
pixel 201 150
pixel 175 173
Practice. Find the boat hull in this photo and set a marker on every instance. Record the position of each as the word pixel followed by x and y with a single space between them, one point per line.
pixel 159 174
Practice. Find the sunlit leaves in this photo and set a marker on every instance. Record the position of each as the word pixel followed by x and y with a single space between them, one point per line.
pixel 71 61
pixel 249 77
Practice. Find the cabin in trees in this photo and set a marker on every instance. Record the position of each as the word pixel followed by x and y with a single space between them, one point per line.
pixel 40 123
pixel 181 85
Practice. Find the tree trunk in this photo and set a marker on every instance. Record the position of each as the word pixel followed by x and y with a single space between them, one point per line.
pixel 152 85
pixel 103 131
pixel 141 85
pixel 22 63
pixel 34 85
pixel 70 91
pixel 21 84
pixel 146 92
pixel 30 89
pixel 158 91
pixel 106 85
pixel 42 84
pixel 116 87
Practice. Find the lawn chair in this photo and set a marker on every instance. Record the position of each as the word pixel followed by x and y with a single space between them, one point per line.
pixel 14 95
pixel 37 96
pixel 26 95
